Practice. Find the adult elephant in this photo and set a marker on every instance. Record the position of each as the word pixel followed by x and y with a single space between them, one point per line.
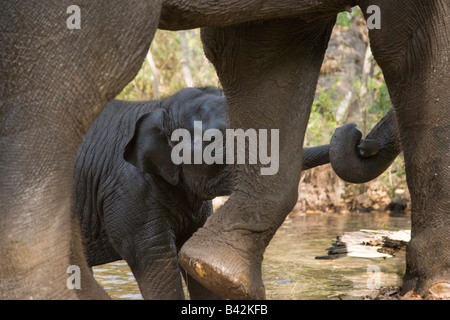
pixel 55 80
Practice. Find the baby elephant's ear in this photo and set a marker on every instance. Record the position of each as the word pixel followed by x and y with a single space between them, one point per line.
pixel 149 150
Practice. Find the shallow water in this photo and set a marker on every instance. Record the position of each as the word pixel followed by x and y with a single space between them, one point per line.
pixel 290 270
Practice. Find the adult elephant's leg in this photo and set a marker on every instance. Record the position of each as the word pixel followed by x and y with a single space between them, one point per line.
pixel 269 72
pixel 54 81
pixel 415 62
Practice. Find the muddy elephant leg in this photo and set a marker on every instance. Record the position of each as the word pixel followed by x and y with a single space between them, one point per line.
pixel 54 81
pixel 416 66
pixel 269 72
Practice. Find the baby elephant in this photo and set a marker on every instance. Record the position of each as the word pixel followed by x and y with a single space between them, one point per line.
pixel 133 202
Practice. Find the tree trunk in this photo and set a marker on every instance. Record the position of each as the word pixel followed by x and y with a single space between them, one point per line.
pixel 155 71
pixel 185 59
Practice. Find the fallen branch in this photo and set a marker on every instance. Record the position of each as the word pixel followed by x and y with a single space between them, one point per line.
pixel 369 244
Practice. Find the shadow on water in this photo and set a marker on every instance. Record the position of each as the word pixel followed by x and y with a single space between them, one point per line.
pixel 290 270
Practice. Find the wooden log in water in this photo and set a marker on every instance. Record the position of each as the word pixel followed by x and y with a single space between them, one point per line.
pixel 368 244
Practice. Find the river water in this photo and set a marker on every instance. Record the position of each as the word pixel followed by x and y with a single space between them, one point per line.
pixel 290 270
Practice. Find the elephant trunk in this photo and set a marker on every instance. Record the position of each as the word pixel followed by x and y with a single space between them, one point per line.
pixel 358 161
pixel 315 156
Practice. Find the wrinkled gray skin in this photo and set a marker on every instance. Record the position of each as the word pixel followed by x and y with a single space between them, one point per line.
pixel 359 160
pixel 143 210
pixel 55 81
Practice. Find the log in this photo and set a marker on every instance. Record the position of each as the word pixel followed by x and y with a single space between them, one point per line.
pixel 369 244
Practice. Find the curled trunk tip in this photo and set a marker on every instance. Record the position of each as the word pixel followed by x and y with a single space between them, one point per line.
pixel 359 160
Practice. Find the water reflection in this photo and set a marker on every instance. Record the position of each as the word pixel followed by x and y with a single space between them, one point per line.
pixel 291 256
pixel 290 270
pixel 118 280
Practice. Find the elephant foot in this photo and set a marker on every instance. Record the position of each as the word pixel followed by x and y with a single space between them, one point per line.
pixel 228 271
pixel 428 262
pixel 438 290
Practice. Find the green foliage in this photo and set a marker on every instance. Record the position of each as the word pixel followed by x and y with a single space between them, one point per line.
pixel 322 120
pixel 345 18
pixel 382 103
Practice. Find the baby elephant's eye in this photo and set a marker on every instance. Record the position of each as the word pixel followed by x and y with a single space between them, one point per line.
pixel 162 133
